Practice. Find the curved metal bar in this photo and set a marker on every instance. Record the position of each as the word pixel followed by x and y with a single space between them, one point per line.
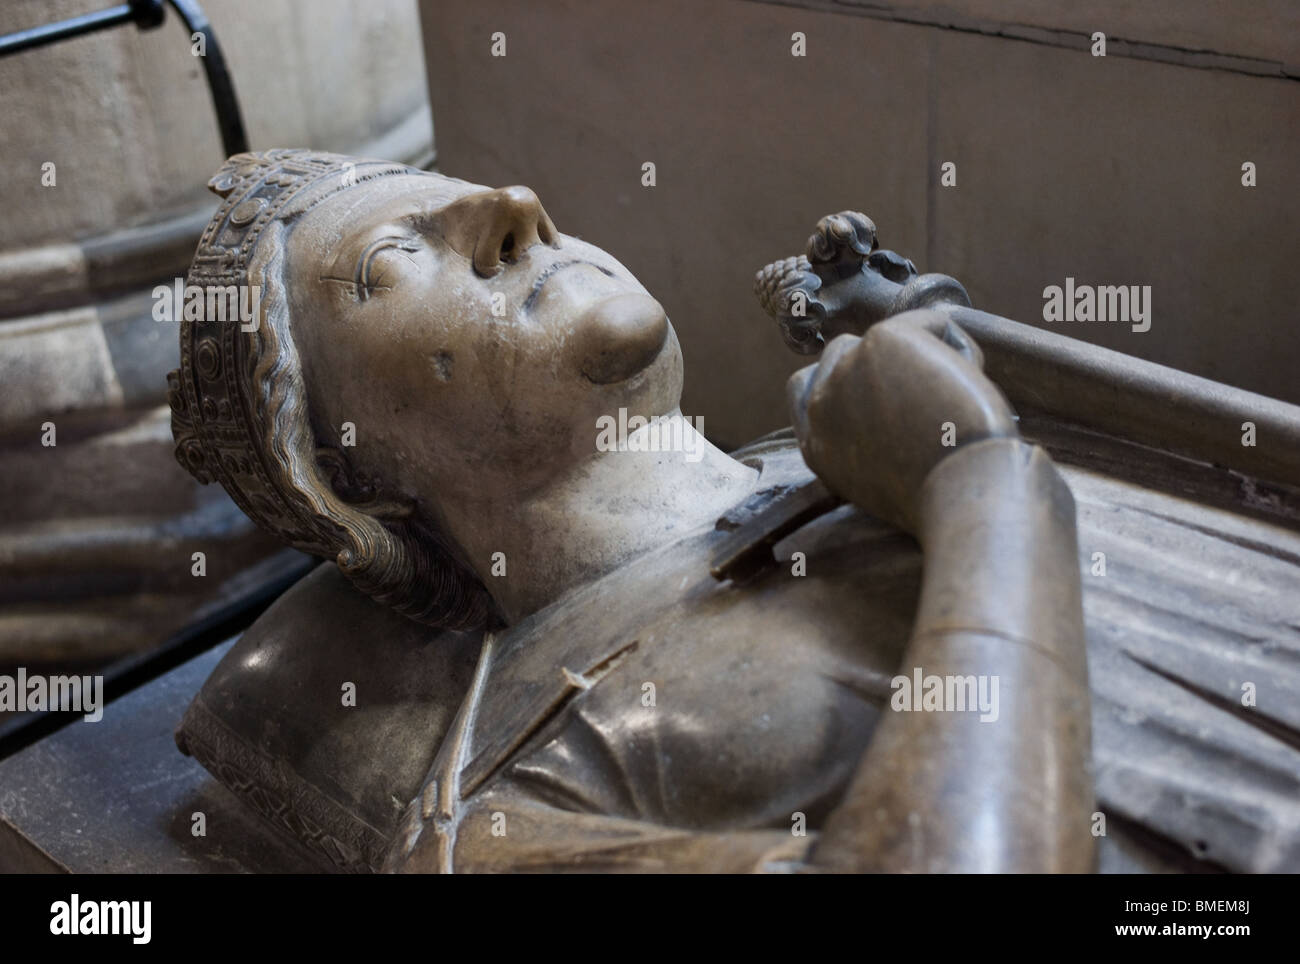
pixel 148 14
pixel 220 83
pixel 145 14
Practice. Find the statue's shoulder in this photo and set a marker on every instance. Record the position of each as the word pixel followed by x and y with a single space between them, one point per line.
pixel 329 611
pixel 327 712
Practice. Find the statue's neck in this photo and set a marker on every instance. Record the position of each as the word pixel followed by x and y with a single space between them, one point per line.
pixel 608 510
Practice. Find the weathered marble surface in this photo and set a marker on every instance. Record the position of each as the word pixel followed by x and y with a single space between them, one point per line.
pixel 1196 599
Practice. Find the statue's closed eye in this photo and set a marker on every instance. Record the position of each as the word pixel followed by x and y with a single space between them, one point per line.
pixel 361 275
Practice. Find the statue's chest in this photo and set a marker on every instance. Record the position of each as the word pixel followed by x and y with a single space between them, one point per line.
pixel 666 687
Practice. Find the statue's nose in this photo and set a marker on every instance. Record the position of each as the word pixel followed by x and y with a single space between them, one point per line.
pixel 490 227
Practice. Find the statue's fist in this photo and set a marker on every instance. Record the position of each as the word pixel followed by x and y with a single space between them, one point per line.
pixel 877 413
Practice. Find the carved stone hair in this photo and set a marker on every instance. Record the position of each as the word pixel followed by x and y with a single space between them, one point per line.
pixel 240 409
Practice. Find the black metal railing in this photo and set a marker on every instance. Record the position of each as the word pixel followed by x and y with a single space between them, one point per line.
pixel 148 15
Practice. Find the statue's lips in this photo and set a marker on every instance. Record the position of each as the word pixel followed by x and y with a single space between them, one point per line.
pixel 551 270
pixel 619 336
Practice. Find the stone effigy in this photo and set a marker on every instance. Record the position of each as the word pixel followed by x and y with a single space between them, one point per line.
pixel 884 640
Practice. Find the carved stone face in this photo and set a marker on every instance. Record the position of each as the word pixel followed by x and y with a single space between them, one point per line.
pixel 471 344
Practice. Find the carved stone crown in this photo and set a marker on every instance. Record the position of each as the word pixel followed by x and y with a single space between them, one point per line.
pixel 216 420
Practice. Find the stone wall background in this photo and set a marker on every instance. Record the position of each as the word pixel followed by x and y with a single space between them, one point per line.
pixel 127 120
pixel 97 530
pixel 1117 170
pixel 126 114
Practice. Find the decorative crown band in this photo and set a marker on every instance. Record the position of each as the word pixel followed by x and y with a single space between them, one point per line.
pixel 215 420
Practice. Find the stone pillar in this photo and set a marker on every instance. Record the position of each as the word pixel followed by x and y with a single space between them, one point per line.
pixel 108 141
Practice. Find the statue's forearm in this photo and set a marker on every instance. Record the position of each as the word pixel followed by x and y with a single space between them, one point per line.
pixel 1005 787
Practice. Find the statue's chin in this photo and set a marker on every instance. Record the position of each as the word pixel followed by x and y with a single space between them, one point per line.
pixel 620 336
